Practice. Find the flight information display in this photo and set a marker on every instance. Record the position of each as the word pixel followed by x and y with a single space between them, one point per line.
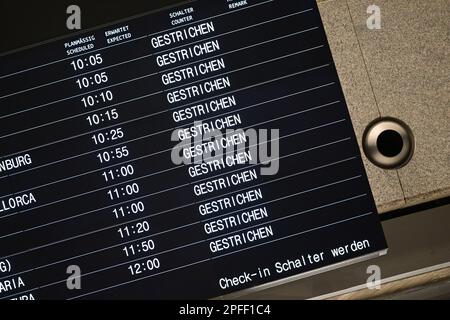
pixel 189 153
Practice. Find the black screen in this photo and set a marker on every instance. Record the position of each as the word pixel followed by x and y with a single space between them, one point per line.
pixel 190 152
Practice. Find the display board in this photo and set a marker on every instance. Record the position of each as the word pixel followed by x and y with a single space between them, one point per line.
pixel 192 152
